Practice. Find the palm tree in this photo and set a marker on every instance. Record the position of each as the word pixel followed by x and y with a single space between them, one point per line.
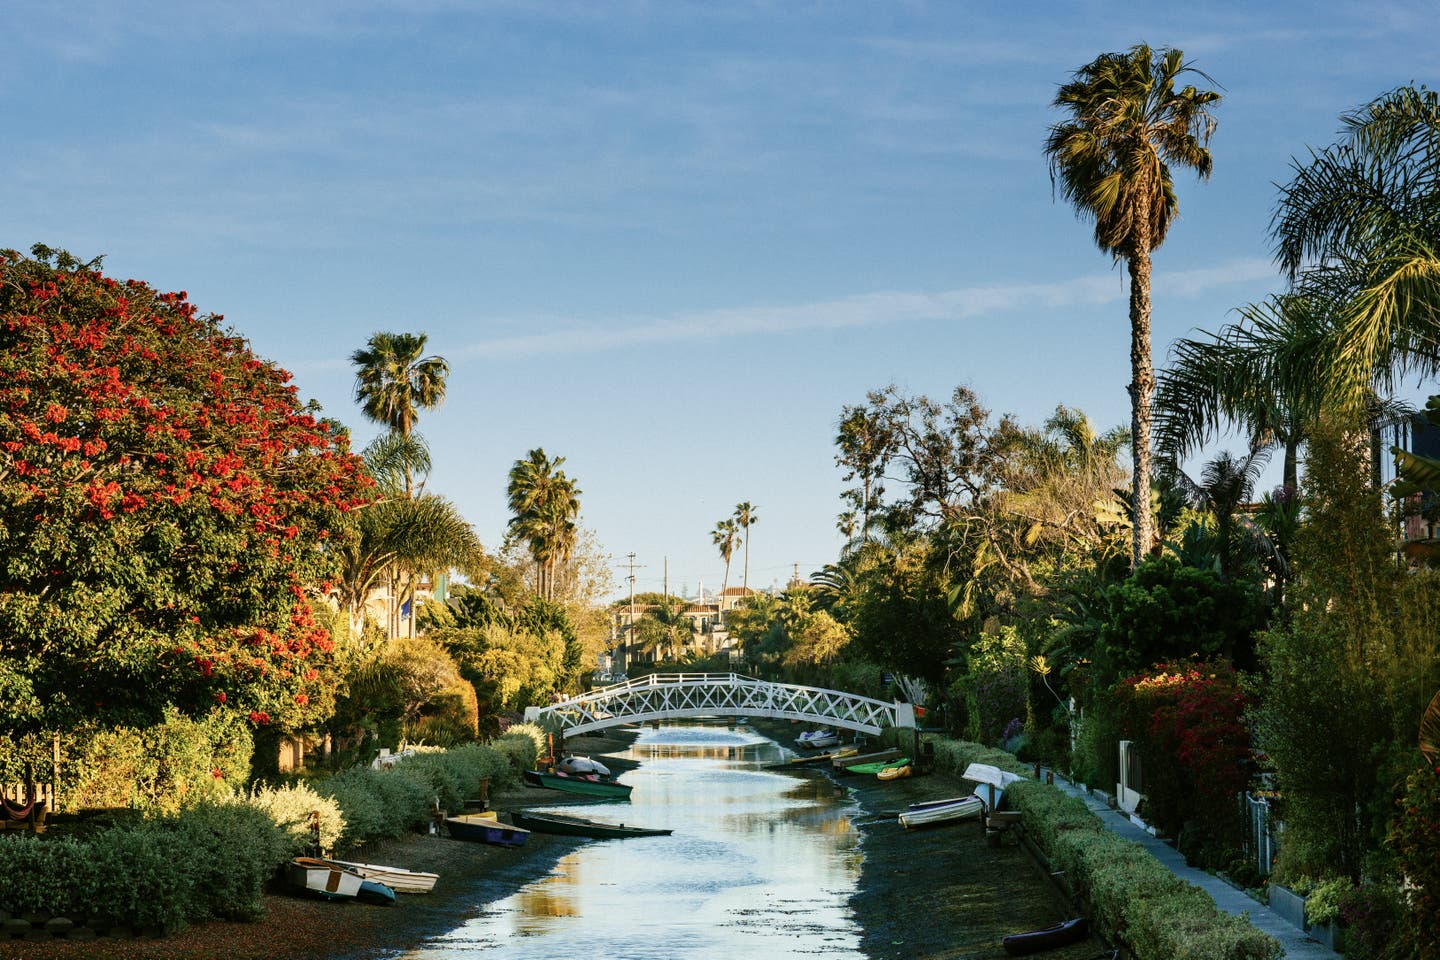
pixel 1112 159
pixel 724 535
pixel 544 504
pixel 1225 487
pixel 744 519
pixel 394 381
pixel 1358 227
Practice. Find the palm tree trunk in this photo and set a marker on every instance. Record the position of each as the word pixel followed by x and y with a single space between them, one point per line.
pixel 746 581
pixel 1142 386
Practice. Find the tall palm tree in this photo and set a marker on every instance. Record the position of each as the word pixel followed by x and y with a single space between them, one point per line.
pixel 1358 227
pixel 544 503
pixel 394 380
pixel 1111 158
pixel 745 518
pixel 724 535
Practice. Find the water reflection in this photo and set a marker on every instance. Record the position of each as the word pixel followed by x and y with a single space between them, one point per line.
pixel 761 864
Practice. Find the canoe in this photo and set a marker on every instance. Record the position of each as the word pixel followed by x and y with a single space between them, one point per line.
pixel 891 772
pixel 580 827
pixel 936 812
pixel 396 878
pixel 875 767
pixel 486 830
pixel 323 879
pixel 1046 938
pixel 587 786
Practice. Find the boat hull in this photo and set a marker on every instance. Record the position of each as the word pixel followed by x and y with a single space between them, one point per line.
pixel 935 814
pixel 580 827
pixel 486 830
pixel 873 769
pixel 322 879
pixel 1047 938
pixel 582 785
pixel 396 878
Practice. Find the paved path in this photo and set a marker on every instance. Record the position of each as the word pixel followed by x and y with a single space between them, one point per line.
pixel 1297 945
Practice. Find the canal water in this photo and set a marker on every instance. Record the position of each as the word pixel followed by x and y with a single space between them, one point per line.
pixel 761 864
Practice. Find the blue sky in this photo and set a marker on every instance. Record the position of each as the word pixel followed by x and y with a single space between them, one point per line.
pixel 668 241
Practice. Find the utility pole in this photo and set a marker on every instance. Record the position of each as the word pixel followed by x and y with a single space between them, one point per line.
pixel 666 580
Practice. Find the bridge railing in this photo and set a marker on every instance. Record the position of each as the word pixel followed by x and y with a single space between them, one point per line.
pixel 680 695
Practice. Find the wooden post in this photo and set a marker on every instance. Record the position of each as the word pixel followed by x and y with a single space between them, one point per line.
pixel 484 793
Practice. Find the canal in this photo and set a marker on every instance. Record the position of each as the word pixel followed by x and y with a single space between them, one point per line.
pixel 761 864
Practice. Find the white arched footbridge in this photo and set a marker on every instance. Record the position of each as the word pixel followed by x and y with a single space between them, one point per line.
pixel 680 695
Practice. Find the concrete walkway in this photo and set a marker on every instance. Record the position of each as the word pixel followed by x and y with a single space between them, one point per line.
pixel 1297 945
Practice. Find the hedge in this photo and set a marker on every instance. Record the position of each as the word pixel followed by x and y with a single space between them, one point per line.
pixel 1132 896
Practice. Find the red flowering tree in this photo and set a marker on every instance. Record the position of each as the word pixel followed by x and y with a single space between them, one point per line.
pixel 165 504
pixel 1188 722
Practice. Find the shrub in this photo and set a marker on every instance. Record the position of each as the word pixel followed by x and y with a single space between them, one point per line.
pixel 50 874
pixel 523 744
pixel 1322 905
pixel 1415 839
pixel 292 809
pixel 231 850
pixel 146 876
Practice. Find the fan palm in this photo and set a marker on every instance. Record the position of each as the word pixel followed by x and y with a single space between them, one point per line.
pixel 394 380
pixel 1128 124
pixel 745 518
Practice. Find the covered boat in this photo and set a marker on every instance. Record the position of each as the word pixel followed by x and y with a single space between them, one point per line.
pixel 580 827
pixel 817 740
pixel 935 812
pixel 583 767
pixel 591 786
pixel 990 783
pixel 486 829
pixel 396 878
pixel 1058 934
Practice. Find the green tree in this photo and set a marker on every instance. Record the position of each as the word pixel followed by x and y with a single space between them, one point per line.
pixel 394 380
pixel 544 503
pixel 724 535
pixel 1128 123
pixel 746 517
pixel 166 504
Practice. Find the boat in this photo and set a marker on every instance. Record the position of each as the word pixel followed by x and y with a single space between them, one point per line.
pixel 583 767
pixel 1058 934
pixel 322 878
pixel 591 786
pixel 894 772
pixel 486 829
pixel 843 763
pixel 580 827
pixel 935 812
pixel 373 891
pixel 990 783
pixel 873 768
pixel 396 878
pixel 844 753
pixel 817 740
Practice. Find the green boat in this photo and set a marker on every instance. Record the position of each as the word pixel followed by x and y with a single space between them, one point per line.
pixel 586 786
pixel 874 768
pixel 580 827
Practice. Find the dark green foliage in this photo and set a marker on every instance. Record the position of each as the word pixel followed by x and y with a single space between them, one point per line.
pixel 230 851
pixel 1168 613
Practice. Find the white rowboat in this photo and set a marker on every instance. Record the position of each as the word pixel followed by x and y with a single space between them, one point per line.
pixel 396 878
pixel 329 880
pixel 941 811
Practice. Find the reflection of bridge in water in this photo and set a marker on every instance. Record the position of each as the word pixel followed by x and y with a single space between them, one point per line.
pixel 682 695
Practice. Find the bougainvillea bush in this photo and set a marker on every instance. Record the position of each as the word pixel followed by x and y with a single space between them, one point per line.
pixel 1415 841
pixel 1188 723
pixel 166 502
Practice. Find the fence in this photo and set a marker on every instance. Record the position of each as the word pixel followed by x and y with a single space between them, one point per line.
pixel 1259 820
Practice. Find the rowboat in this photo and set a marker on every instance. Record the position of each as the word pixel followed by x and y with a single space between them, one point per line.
pixel 990 783
pixel 580 827
pixel 486 829
pixel 894 772
pixel 1046 938
pixel 322 878
pixel 842 764
pixel 873 768
pixel 592 786
pixel 935 812
pixel 396 878
pixel 373 891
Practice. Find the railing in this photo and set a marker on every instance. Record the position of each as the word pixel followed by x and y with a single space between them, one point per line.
pixel 681 695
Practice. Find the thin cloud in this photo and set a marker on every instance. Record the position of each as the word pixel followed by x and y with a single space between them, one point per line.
pixel 862 310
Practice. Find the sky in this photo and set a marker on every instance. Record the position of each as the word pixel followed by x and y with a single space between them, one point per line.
pixel 668 241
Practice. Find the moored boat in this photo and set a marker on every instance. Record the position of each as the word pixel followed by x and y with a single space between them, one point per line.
pixel 873 768
pixel 486 829
pixel 583 767
pixel 373 891
pixel 580 827
pixel 894 771
pixel 817 740
pixel 591 786
pixel 990 783
pixel 1058 934
pixel 396 878
pixel 843 763
pixel 322 878
pixel 935 812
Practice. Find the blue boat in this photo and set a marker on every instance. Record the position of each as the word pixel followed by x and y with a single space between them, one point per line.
pixel 486 829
